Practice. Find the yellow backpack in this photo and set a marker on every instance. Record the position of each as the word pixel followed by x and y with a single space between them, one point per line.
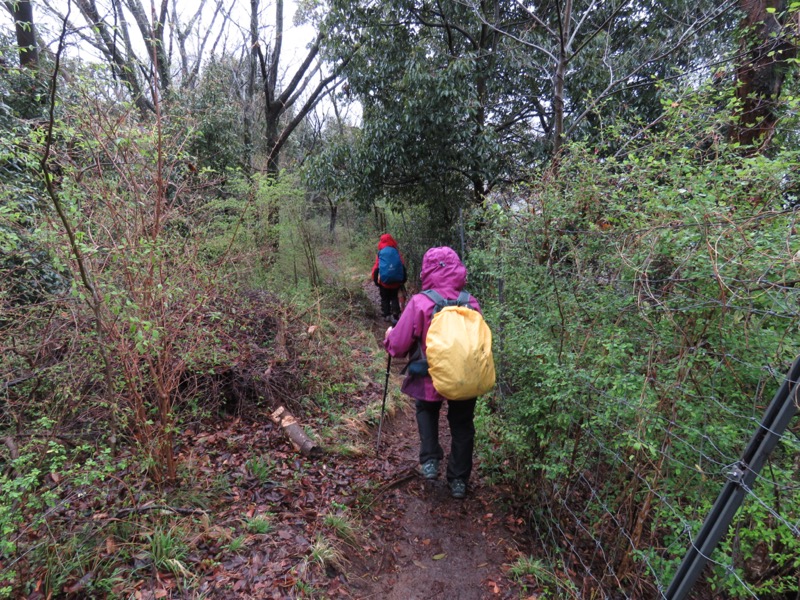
pixel 459 349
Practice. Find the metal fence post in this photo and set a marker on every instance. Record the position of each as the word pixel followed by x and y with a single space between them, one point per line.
pixel 740 478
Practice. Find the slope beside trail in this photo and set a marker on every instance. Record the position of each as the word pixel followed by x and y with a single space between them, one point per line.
pixel 250 517
pixel 427 544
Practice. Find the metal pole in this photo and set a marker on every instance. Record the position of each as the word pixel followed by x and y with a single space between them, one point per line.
pixel 383 404
pixel 740 479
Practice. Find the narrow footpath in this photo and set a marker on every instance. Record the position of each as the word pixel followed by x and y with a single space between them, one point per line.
pixel 429 545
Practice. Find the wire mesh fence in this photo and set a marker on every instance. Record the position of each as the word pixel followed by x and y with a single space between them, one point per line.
pixel 635 366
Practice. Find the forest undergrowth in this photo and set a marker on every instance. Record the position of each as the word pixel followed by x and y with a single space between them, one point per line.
pixel 248 515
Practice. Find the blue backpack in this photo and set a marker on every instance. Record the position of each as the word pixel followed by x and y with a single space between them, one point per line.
pixel 390 267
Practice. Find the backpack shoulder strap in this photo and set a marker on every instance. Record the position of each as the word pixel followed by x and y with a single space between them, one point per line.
pixel 463 299
pixel 437 299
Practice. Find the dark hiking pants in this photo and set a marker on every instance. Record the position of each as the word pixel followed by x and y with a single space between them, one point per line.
pixel 390 302
pixel 460 415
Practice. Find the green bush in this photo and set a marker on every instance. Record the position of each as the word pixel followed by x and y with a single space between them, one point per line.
pixel 646 310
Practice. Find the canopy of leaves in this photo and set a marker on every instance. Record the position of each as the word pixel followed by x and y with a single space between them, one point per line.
pixel 458 98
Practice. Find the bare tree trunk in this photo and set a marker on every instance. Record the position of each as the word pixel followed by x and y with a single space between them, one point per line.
pixel 124 66
pixel 565 21
pixel 153 34
pixel 278 102
pixel 275 105
pixel 768 52
pixel 333 208
pixel 190 69
pixel 487 49
pixel 248 108
pixel 22 11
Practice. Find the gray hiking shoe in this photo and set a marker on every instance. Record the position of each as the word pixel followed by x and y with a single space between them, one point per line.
pixel 458 488
pixel 430 469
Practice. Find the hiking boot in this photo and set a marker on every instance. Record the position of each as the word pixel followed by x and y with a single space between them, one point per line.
pixel 458 488
pixel 430 469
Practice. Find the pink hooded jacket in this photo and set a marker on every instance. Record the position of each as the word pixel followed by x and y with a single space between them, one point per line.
pixel 444 272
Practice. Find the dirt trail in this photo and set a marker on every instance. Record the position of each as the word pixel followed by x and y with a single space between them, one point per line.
pixel 429 545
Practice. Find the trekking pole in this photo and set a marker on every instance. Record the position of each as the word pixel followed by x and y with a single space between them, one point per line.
pixel 383 404
pixel 405 297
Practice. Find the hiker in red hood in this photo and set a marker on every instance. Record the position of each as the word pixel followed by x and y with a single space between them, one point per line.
pixel 442 271
pixel 389 274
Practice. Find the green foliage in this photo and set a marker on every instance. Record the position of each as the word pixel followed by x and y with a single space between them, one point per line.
pixel 110 303
pixel 168 550
pixel 243 229
pixel 29 270
pixel 218 136
pixel 261 468
pixel 459 99
pixel 23 92
pixel 645 314
pixel 323 553
pixel 236 544
pixel 343 525
pixel 261 524
pixel 421 141
pixel 534 573
pixel 36 490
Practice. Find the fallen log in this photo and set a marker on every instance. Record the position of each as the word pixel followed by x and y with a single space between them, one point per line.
pixel 292 429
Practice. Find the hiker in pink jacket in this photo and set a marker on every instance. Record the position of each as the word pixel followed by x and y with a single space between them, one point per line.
pixel 443 272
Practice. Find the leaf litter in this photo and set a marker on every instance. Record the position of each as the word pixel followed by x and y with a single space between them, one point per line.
pixel 251 518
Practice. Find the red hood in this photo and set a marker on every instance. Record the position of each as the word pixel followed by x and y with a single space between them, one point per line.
pixel 386 240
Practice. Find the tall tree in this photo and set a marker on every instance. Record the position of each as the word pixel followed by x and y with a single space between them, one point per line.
pixel 152 32
pixel 190 67
pixel 611 54
pixel 150 72
pixel 299 93
pixel 461 97
pixel 22 12
pixel 437 89
pixel 768 47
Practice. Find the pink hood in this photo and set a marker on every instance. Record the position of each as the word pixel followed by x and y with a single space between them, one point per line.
pixel 443 271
